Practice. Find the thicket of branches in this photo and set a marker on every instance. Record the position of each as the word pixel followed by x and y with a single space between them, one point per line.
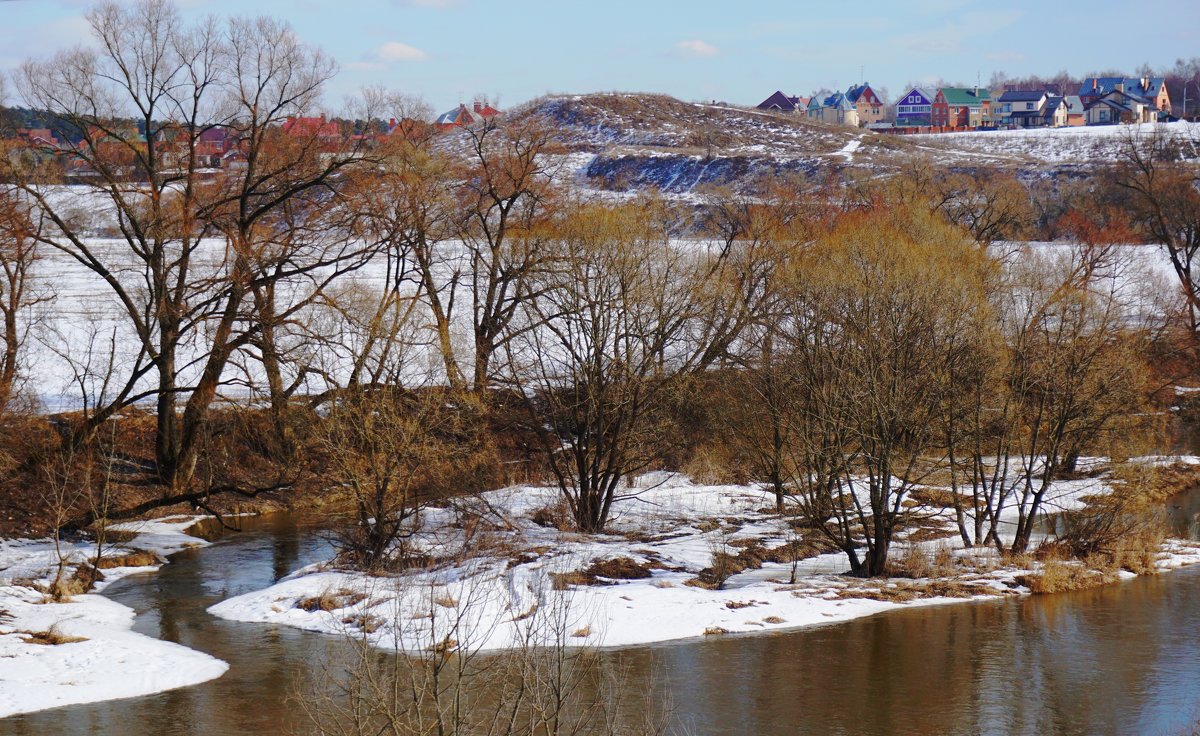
pixel 405 318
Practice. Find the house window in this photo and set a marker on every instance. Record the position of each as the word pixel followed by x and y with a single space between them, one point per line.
pixel 1028 105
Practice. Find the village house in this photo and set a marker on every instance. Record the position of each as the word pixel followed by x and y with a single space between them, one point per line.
pixel 1022 108
pixel 868 106
pixel 962 107
pixel 1075 114
pixel 915 108
pixel 461 116
pixel 779 102
pixel 1120 107
pixel 836 109
pixel 1153 89
pixel 1031 109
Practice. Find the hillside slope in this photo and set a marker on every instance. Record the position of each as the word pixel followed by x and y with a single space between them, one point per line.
pixel 619 142
pixel 624 142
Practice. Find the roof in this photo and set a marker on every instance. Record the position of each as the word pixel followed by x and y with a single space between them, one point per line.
pixel 919 90
pixel 458 116
pixel 857 91
pixel 964 96
pixel 838 100
pixel 1023 95
pixel 1149 86
pixel 779 101
pixel 311 127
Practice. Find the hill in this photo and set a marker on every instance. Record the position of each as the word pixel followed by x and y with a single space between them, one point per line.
pixel 625 142
pixel 621 142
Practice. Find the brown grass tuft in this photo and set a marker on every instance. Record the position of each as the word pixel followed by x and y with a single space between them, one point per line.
pixel 50 637
pixel 1060 577
pixel 131 559
pixel 330 601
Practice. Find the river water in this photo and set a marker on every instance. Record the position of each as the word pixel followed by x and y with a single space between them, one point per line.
pixel 1124 659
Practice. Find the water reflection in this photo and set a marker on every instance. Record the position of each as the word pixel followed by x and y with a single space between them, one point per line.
pixel 1119 660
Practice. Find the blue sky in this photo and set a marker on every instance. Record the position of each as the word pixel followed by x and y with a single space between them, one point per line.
pixel 447 50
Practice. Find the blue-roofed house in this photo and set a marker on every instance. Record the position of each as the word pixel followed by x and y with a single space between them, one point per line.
pixel 915 107
pixel 1153 89
pixel 838 110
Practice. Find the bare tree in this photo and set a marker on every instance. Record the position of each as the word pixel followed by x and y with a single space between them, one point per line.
pixel 880 308
pixel 1163 192
pixel 614 319
pixel 138 105
pixel 504 197
pixel 18 255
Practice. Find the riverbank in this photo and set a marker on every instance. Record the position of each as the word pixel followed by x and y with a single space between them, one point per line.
pixel 83 649
pixel 502 573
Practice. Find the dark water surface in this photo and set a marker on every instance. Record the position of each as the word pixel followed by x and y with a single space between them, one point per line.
pixel 1118 660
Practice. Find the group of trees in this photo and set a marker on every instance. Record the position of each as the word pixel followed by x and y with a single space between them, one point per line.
pixel 389 302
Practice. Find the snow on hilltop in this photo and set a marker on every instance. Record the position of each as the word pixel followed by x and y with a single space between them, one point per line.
pixel 1084 144
pixel 628 142
pixel 623 142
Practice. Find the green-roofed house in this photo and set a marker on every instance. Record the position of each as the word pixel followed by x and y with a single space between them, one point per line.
pixel 962 107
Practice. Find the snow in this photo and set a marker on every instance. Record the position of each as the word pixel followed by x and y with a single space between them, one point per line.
pixel 1064 145
pixel 501 594
pixel 110 661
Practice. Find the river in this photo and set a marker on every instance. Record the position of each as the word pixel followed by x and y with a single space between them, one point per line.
pixel 1124 659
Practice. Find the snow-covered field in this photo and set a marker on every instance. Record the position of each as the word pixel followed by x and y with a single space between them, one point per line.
pixel 1089 143
pixel 100 657
pixel 502 591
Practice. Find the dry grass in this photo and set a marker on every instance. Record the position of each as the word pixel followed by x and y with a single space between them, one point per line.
pixel 905 591
pixel 774 620
pixel 715 631
pixel 603 572
pixel 582 633
pixel 130 559
pixel 715 464
pixel 554 516
pixel 916 562
pixel 1060 577
pixel 446 602
pixel 365 622
pixel 881 592
pixel 50 637
pixel 330 601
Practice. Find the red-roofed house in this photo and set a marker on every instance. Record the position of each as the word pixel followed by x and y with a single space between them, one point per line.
pixel 461 116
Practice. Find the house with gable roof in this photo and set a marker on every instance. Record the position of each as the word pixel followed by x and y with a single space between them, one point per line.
pixel 867 104
pixel 780 102
pixel 962 107
pixel 837 109
pixel 1024 108
pixel 1118 107
pixel 461 116
pixel 1153 89
pixel 915 108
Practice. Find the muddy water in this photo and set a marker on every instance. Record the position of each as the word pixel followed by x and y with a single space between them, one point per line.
pixel 1119 660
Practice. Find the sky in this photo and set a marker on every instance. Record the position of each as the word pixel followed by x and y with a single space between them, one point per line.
pixel 447 51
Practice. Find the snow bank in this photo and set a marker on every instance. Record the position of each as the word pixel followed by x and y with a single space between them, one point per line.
pixel 99 657
pixel 521 583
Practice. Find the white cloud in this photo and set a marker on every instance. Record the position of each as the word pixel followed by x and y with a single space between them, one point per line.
pixel 697 47
pixel 396 51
